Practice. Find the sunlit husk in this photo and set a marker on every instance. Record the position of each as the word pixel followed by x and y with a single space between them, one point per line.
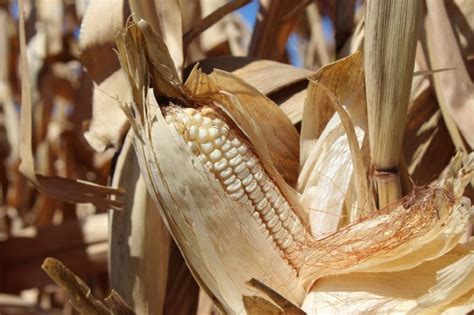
pixel 329 184
pixel 422 242
pixel 219 238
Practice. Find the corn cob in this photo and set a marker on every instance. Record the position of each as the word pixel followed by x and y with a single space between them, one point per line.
pixel 227 155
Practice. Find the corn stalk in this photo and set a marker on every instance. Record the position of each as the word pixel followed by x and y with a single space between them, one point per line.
pixel 389 48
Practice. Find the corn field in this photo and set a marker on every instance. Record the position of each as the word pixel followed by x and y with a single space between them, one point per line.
pixel 236 157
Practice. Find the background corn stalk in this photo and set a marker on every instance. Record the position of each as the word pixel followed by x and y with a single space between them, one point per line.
pixel 64 97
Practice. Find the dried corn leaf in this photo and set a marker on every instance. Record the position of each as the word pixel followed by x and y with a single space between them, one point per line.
pixel 96 43
pixel 216 26
pixel 10 119
pixel 66 189
pixel 272 29
pixel 164 17
pixel 454 89
pixel 270 76
pixel 345 78
pixel 293 106
pixel 427 144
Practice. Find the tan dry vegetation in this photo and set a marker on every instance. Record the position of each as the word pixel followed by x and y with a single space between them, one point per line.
pixel 172 158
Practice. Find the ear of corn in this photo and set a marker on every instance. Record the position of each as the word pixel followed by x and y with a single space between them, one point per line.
pixel 215 182
pixel 223 236
pixel 228 156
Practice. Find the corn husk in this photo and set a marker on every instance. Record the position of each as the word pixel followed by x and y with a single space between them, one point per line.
pixel 132 230
pixel 327 170
pixel 220 241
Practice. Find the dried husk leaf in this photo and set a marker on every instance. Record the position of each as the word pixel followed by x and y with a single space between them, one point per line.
pixel 164 17
pixel 341 77
pixel 220 240
pixel 421 246
pixel 433 288
pixel 269 76
pixel 282 83
pixel 138 275
pixel 293 106
pixel 285 305
pixel 327 173
pixel 454 89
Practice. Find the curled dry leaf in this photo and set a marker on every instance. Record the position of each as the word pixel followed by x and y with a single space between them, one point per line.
pixel 327 157
pixel 75 191
pixel 96 43
pixel 164 17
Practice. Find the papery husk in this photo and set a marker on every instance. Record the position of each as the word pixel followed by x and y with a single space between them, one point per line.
pixel 269 76
pixel 138 275
pixel 165 18
pixel 412 262
pixel 327 173
pixel 427 289
pixel 220 240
